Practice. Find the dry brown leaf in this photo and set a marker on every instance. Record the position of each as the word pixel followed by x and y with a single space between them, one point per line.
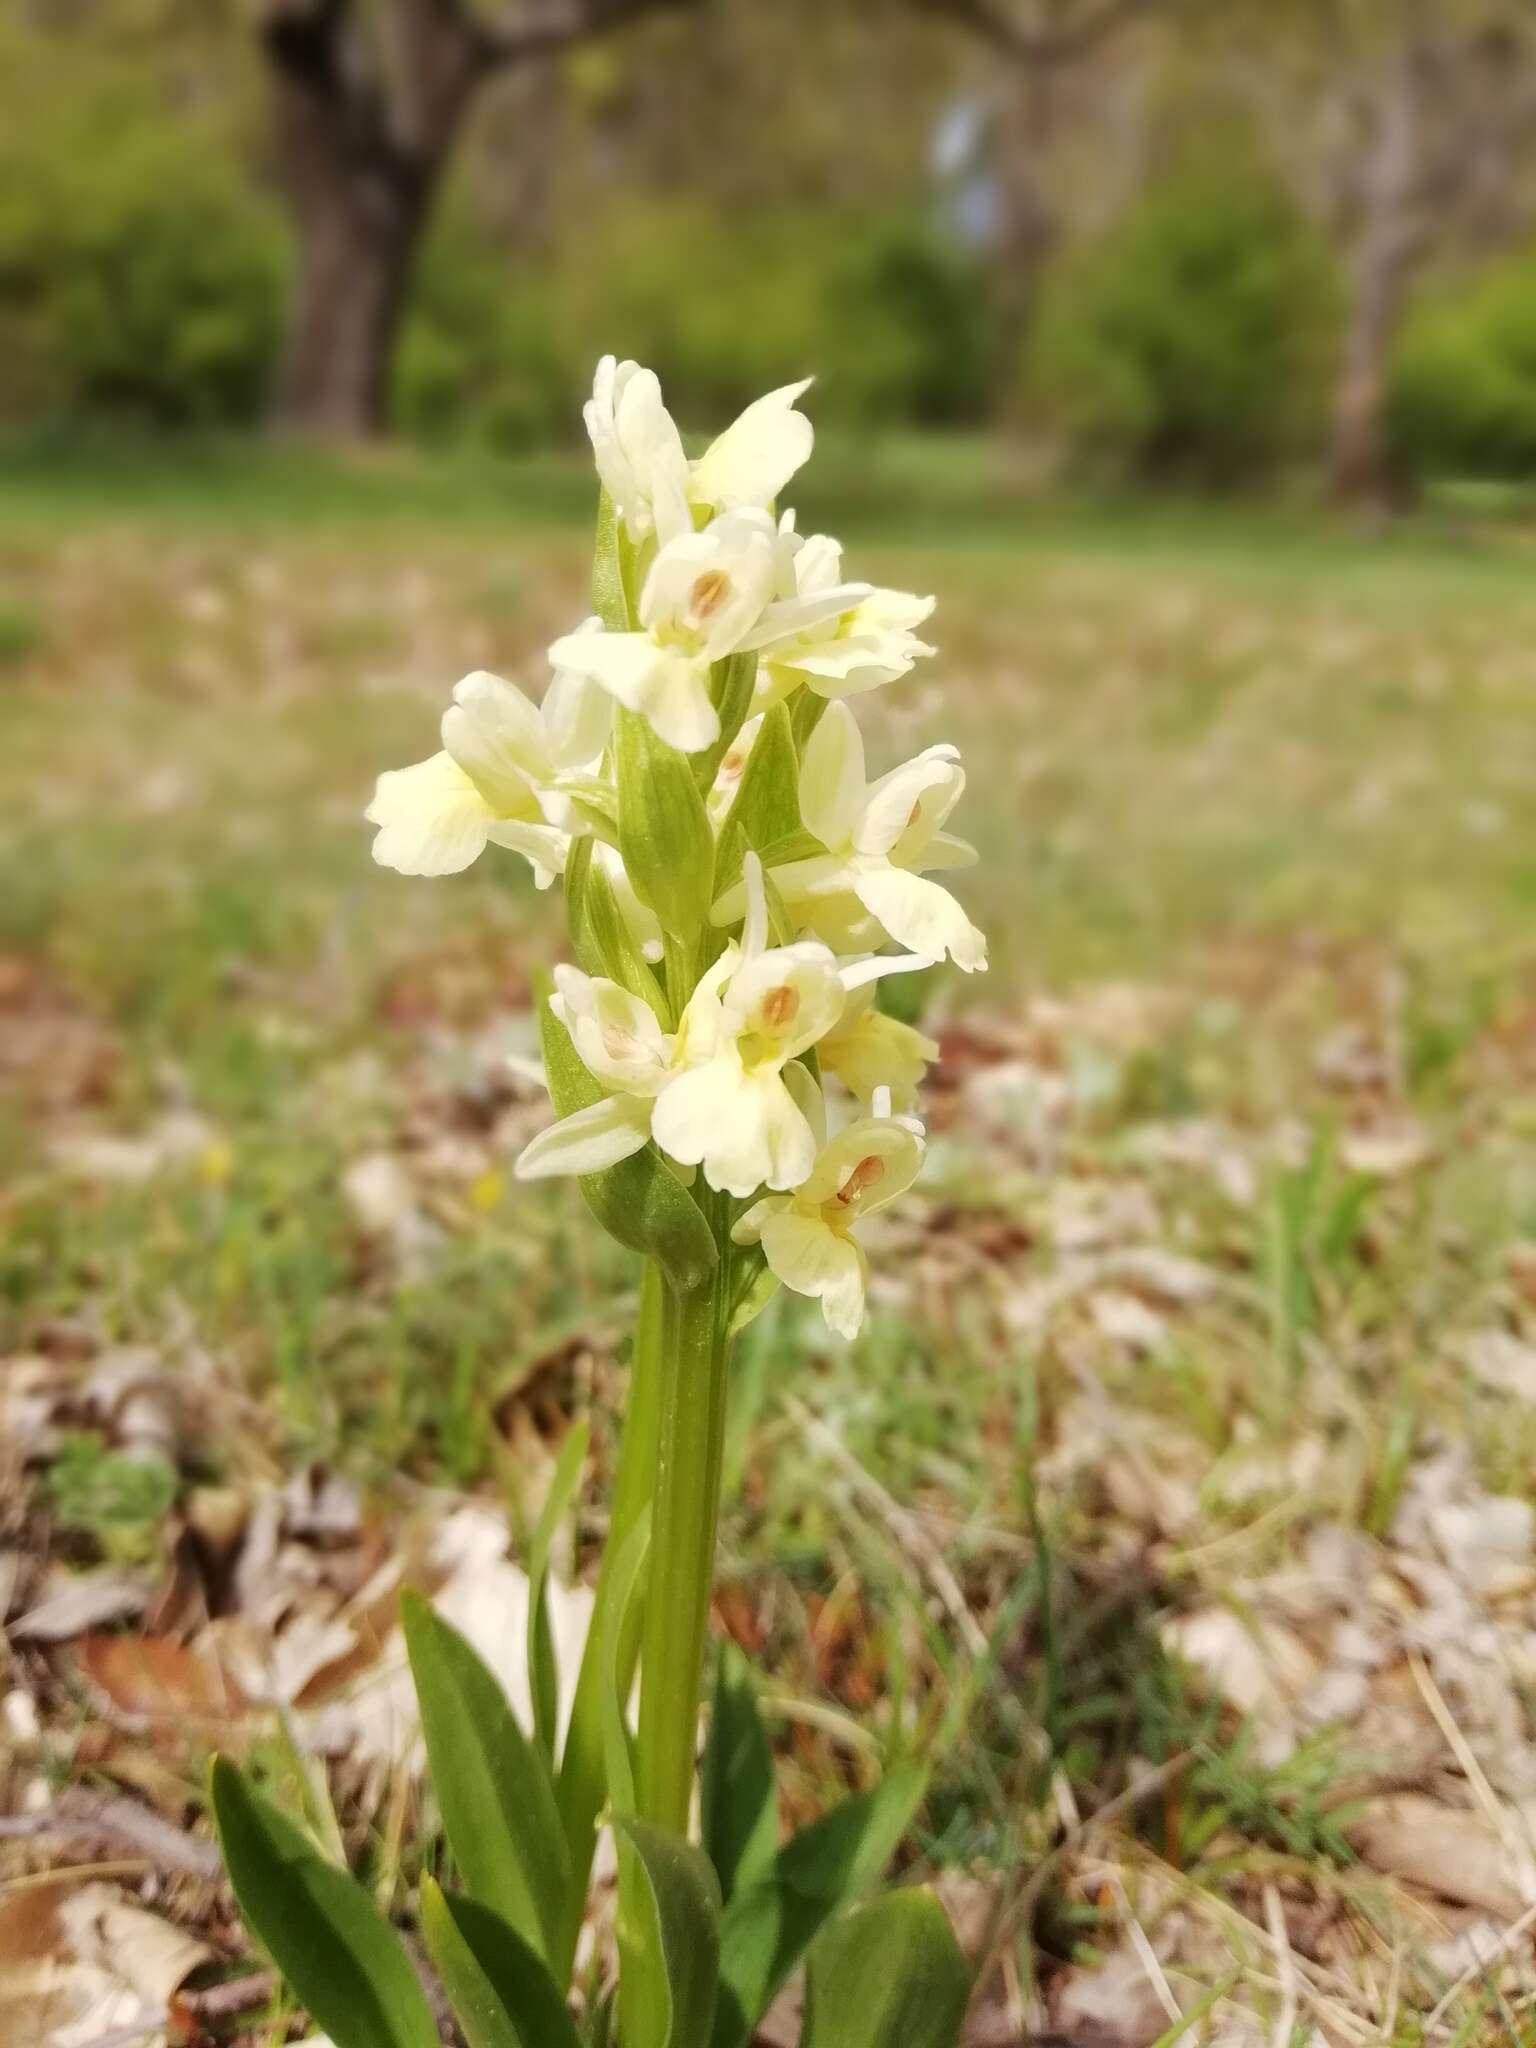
pixel 1500 1361
pixel 156 1677
pixel 73 1602
pixel 1258 1668
pixel 82 1965
pixel 1447 1850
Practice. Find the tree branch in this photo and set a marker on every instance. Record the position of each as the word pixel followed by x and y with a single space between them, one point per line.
pixel 555 26
pixel 991 21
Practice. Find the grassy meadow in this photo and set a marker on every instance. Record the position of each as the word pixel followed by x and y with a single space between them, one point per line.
pixel 1232 1153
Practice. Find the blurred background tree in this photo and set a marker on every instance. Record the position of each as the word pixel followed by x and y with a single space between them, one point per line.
pixel 1211 242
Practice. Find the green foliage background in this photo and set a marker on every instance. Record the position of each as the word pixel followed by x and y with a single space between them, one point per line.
pixel 1187 334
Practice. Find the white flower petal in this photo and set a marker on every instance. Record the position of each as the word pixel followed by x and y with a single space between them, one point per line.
pixel 832 778
pixel 809 1100
pixel 780 1002
pixel 638 450
pixel 546 846
pixel 665 687
pixel 712 586
pixel 618 1037
pixel 748 1226
pixel 813 1260
pixel 598 1136
pixel 753 459
pixel 577 714
pixel 432 820
pixel 794 615
pixel 921 916
pixel 944 851
pixel 908 805
pixel 745 1130
pixel 880 1157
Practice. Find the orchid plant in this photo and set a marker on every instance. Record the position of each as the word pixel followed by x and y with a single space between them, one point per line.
pixel 734 1103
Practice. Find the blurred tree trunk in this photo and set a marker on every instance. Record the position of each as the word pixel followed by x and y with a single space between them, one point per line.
pixel 1044 44
pixel 1389 235
pixel 1029 223
pixel 365 126
pixel 1443 104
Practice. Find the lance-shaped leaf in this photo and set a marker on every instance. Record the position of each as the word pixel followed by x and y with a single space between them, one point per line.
pixel 603 941
pixel 492 1784
pixel 500 1990
pixel 343 1961
pixel 731 683
pixel 640 1202
pixel 887 1975
pixel 770 1923
pixel 738 1801
pixel 543 1672
pixel 683 1903
pixel 664 830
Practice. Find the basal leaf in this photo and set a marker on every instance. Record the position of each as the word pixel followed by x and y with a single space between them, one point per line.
pixel 684 1901
pixel 769 1923
pixel 500 1990
pixel 543 1673
pixel 887 1975
pixel 492 1784
pixel 343 1961
pixel 738 1799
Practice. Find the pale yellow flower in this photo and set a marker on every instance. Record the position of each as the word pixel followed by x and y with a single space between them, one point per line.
pixel 497 781
pixel 808 1236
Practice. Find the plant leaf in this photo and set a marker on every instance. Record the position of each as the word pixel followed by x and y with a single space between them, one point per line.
pixel 738 1799
pixel 603 941
pixel 500 1990
pixel 492 1784
pixel 640 1202
pixel 756 1284
pixel 887 1975
pixel 543 1672
pixel 616 1651
pixel 731 683
pixel 664 830
pixel 770 1923
pixel 344 1962
pixel 766 809
pixel 612 568
pixel 684 1899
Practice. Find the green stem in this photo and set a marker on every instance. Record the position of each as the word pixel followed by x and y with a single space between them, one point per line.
pixel 690 1447
pixel 583 1784
pixel 679 1571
